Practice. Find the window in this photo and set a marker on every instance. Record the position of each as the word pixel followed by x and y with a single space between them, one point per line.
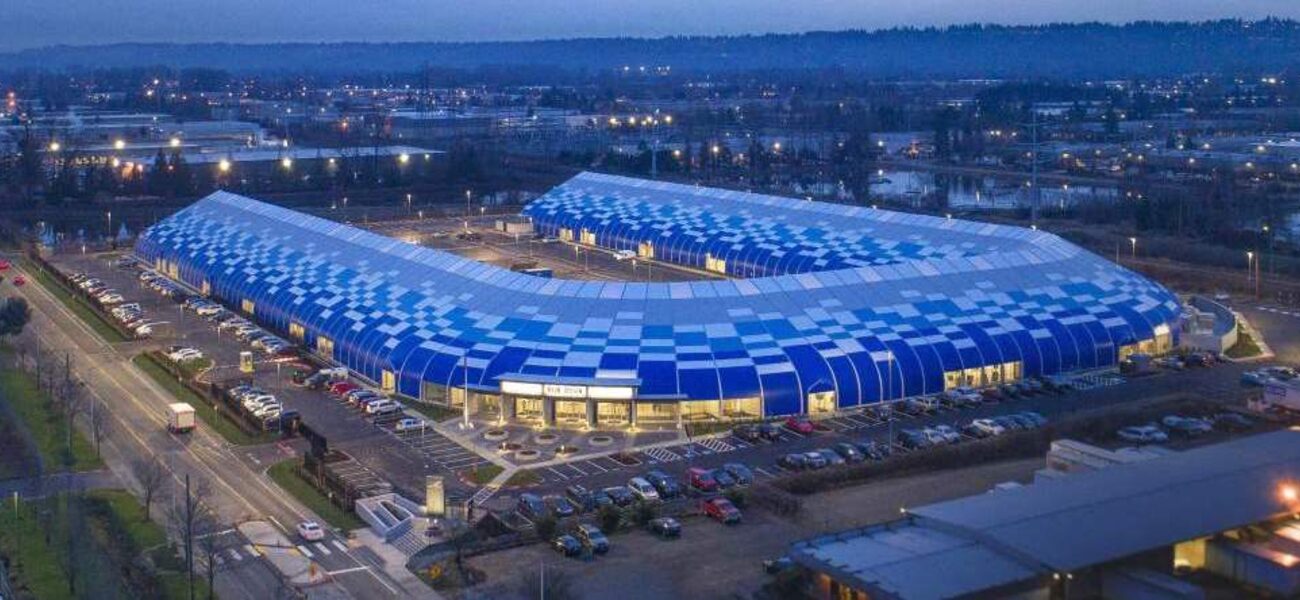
pixel 995 374
pixel 297 331
pixel 700 410
pixel 717 265
pixel 248 307
pixel 645 250
pixel 324 346
pixel 566 234
pixel 388 382
pixel 205 288
pixel 742 408
pixel 821 403
pixel 588 237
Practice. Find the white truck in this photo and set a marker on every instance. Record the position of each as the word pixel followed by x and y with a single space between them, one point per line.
pixel 180 417
pixel 1281 395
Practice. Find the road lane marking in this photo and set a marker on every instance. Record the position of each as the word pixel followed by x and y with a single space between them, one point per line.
pixel 305 551
pixel 320 547
pixel 340 546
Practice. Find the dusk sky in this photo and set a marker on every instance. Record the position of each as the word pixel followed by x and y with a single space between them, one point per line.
pixel 88 22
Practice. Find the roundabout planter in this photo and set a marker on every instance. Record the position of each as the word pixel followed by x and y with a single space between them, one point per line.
pixel 528 454
pixel 546 439
pixel 566 450
pixel 601 440
pixel 495 435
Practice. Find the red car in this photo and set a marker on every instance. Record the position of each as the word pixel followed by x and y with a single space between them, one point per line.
pixel 722 510
pixel 342 387
pixel 4 265
pixel 702 479
pixel 19 280
pixel 800 425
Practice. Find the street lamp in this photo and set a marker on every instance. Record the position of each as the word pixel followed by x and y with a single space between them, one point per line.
pixel 468 195
pixel 54 147
pixel 1133 243
pixel 109 215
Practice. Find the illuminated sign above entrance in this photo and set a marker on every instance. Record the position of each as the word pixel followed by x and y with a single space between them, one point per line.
pixel 555 390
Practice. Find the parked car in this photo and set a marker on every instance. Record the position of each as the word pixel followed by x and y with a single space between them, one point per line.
pixel 982 428
pixel 739 472
pixel 592 537
pixel 849 452
pixel 567 545
pixel 793 461
pixel 408 424
pixel 815 460
pixel 622 255
pixel 702 479
pixel 1232 421
pixel 769 431
pixel 748 433
pixel 620 495
pixel 724 479
pixel 1187 426
pixel 311 531
pixel 667 485
pixel 642 489
pixel 948 434
pixel 530 506
pixel 912 439
pixel 1142 434
pixel 665 527
pixel 581 497
pixel 722 510
pixel 909 407
pixel 875 450
pixel 831 457
pixel 800 425
pixel 1037 419
pixel 560 506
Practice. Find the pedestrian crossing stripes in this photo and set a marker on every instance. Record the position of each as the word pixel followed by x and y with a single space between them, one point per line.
pixel 321 549
pixel 340 546
pixel 662 454
pixel 717 445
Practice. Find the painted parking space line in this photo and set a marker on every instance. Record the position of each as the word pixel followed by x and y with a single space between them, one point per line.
pixel 574 466
pixel 763 472
pixel 717 445
pixel 562 476
pixel 662 454
pixel 234 554
pixel 596 467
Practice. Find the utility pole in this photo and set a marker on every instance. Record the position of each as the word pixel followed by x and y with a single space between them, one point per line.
pixel 1033 172
pixel 189 534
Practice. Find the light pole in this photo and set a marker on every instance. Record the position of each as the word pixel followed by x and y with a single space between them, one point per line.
pixel 468 195
pixel 1133 243
pixel 109 214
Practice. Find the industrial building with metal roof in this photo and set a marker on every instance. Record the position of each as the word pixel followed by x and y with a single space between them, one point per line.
pixel 1013 540
pixel 818 307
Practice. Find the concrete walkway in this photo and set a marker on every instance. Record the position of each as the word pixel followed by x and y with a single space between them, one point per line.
pixel 56 483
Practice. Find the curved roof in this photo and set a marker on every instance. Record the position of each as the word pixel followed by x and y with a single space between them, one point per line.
pixel 1006 294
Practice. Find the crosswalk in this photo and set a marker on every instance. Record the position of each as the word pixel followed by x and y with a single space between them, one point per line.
pixel 662 455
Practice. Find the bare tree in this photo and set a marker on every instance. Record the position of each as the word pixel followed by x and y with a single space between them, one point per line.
pixel 181 516
pixel 207 528
pixel 100 426
pixel 151 476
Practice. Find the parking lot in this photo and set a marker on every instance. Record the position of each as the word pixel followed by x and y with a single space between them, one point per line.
pixel 1218 383
pixel 402 458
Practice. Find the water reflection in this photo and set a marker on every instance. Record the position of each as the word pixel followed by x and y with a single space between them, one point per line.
pixel 979 193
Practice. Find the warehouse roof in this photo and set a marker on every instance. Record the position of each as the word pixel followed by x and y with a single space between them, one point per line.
pixel 1123 510
pixel 1059 526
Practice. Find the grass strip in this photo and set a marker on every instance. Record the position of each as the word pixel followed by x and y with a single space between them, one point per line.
pixel 218 421
pixel 48 428
pixel 285 474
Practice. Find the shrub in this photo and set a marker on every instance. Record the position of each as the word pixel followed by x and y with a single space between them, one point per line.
pixel 644 512
pixel 738 496
pixel 610 517
pixel 545 527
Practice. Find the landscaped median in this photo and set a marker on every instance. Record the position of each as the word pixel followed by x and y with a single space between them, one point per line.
pixel 78 304
pixel 220 421
pixel 286 474
pixel 47 428
pixel 92 544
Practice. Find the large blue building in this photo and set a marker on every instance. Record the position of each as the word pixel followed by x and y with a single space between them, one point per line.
pixel 823 307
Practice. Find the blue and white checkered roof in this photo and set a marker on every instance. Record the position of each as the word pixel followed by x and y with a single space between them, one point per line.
pixel 756 235
pixel 429 315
